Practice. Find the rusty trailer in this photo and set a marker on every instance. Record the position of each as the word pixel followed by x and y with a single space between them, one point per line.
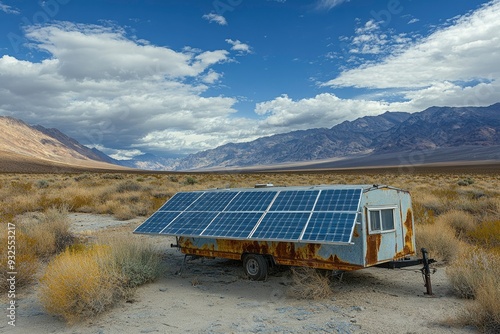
pixel 333 227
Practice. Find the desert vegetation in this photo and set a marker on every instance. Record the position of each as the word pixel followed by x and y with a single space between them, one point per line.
pixel 457 217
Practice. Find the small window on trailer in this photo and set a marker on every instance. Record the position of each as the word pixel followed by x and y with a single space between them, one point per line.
pixel 381 219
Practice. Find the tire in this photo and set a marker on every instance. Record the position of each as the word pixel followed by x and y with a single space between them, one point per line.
pixel 255 266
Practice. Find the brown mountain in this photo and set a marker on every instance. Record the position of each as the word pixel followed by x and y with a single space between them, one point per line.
pixel 24 148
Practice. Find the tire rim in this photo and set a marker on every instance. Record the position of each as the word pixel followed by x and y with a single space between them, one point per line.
pixel 252 267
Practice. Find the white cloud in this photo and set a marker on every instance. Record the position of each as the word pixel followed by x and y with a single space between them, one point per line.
pixel 323 110
pixel 8 9
pixel 212 17
pixel 211 77
pixel 105 89
pixel 100 53
pixel 467 50
pixel 239 46
pixel 414 20
pixel 329 4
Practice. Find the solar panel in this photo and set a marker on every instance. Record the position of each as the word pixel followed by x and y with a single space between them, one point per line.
pixel 232 224
pixel 295 200
pixel 281 226
pixel 156 222
pixel 338 200
pixel 189 223
pixel 180 201
pixel 321 215
pixel 212 201
pixel 330 227
pixel 251 201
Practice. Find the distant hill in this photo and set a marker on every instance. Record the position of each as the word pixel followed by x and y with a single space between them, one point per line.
pixel 22 145
pixel 369 137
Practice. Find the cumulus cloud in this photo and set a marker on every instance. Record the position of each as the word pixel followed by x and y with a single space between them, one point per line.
pixel 8 9
pixel 239 46
pixel 323 110
pixel 105 89
pixel 464 51
pixel 216 18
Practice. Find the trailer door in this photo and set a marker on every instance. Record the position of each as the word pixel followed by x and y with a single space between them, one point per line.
pixel 384 234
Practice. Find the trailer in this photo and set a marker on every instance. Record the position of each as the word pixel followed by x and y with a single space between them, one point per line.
pixel 333 227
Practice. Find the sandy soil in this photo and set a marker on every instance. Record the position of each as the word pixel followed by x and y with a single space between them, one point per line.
pixel 213 296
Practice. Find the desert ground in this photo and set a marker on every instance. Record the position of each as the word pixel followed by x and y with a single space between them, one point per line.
pixel 214 296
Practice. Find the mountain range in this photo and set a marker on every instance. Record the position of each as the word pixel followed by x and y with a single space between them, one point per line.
pixel 431 131
pixel 439 134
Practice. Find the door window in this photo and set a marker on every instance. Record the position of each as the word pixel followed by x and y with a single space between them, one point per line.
pixel 381 220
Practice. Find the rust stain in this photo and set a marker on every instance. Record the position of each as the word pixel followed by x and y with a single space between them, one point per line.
pixel 284 253
pixel 409 247
pixel 356 233
pixel 373 242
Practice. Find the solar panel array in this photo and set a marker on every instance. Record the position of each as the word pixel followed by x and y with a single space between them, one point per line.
pixel 320 215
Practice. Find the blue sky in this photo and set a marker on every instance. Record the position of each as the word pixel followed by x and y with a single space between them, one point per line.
pixel 179 76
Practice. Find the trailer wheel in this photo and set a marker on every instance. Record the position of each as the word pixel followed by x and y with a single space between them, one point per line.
pixel 255 266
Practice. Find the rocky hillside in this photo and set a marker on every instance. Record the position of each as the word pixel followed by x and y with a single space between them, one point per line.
pixel 20 141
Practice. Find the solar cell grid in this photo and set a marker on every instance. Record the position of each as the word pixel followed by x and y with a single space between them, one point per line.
pixel 212 201
pixel 330 227
pixel 251 201
pixel 190 223
pixel 157 222
pixel 180 201
pixel 295 201
pixel 233 224
pixel 338 200
pixel 281 226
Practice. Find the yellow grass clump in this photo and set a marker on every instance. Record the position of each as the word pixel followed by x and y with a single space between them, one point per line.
pixel 82 282
pixel 78 285
pixel 308 283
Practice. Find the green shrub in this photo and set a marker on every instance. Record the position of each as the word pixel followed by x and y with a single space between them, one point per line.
pixel 128 186
pixel 139 261
pixel 190 181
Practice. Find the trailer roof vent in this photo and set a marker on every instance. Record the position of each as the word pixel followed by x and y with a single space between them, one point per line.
pixel 264 185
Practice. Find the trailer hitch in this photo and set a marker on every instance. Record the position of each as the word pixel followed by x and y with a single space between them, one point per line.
pixel 426 271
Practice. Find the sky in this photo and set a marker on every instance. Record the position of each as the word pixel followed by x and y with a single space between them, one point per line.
pixel 175 77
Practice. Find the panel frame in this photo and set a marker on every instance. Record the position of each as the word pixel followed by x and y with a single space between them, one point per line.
pixel 268 210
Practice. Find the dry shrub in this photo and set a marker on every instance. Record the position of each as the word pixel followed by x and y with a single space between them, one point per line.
pixel 484 313
pixel 26 263
pixel 476 274
pixel 462 222
pixel 308 283
pixel 49 232
pixel 439 240
pixel 79 285
pixel 123 212
pixel 474 268
pixel 127 186
pixel 138 261
pixel 487 234
pixel 84 281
